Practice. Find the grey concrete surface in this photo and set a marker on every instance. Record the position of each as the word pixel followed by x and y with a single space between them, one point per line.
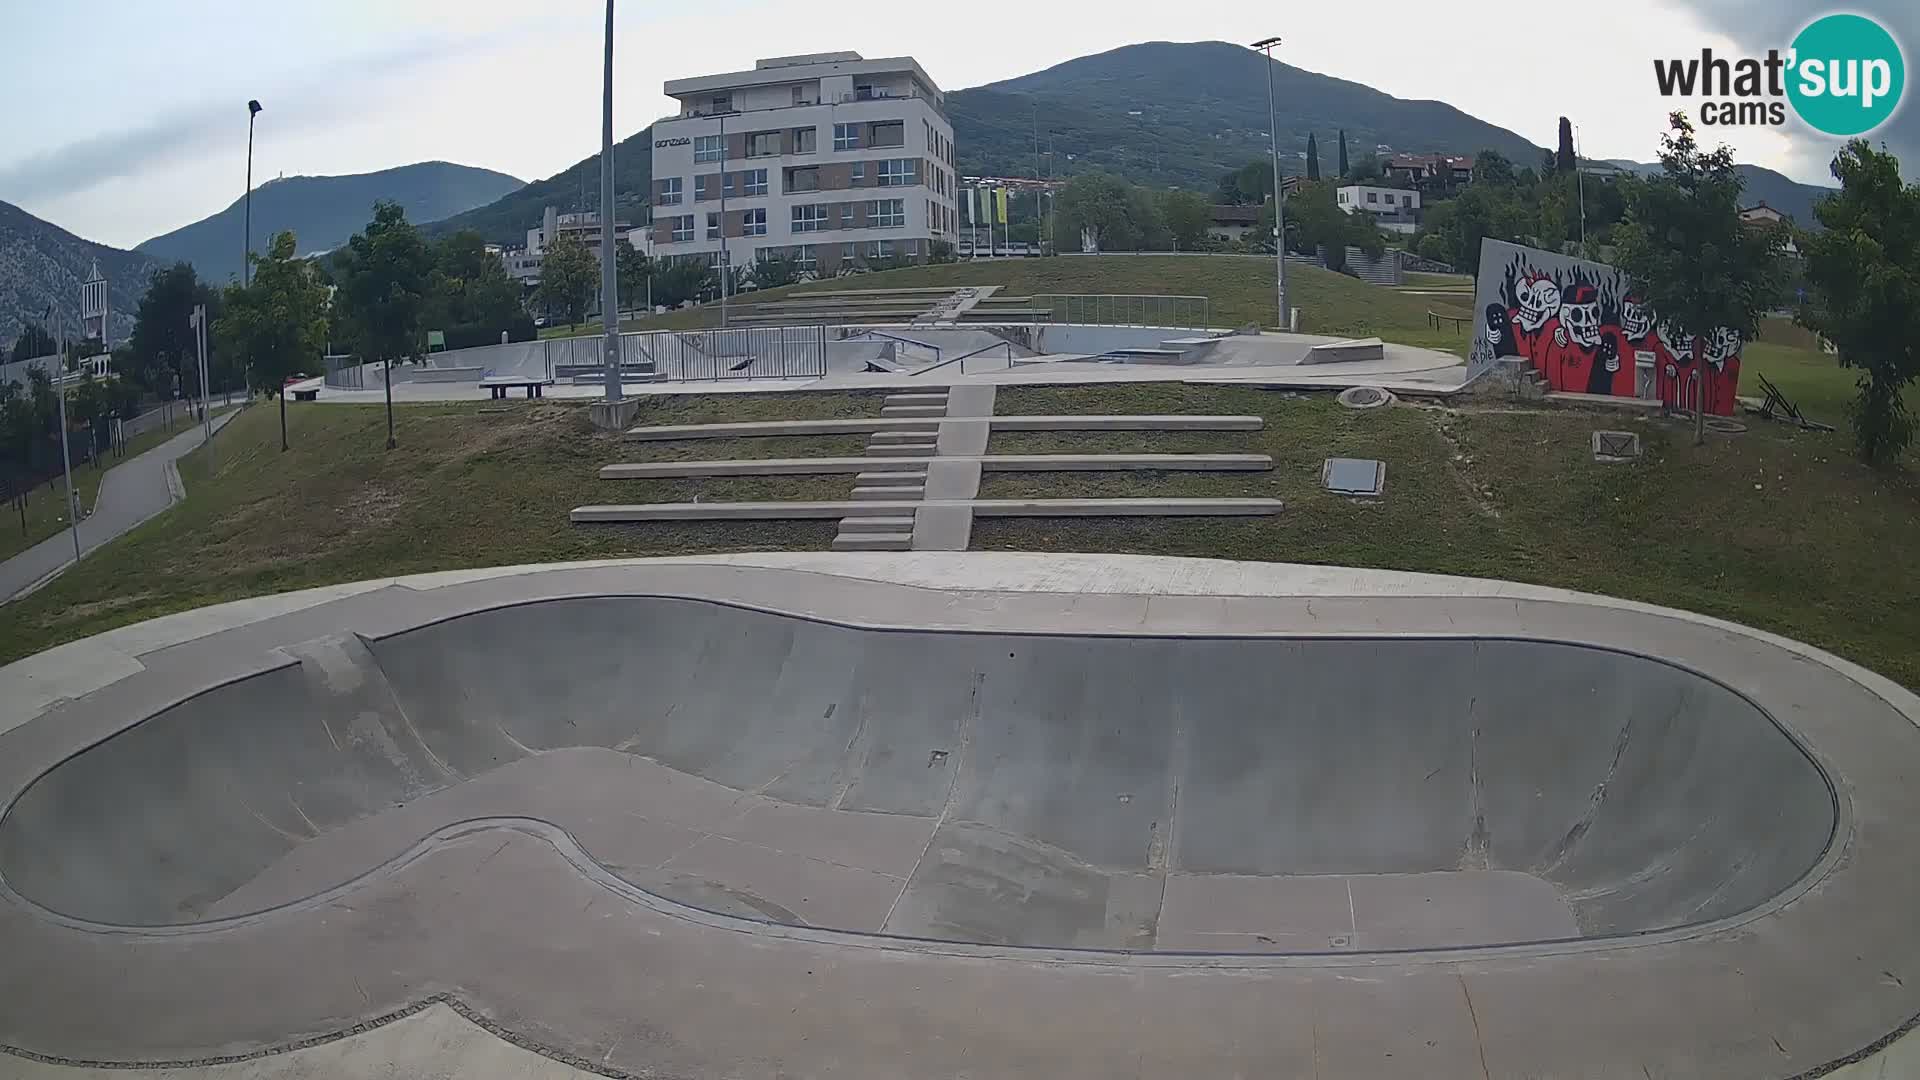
pixel 862 425
pixel 629 816
pixel 987 462
pixel 130 493
pixel 799 509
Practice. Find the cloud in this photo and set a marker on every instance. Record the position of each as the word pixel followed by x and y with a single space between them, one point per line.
pixel 1763 24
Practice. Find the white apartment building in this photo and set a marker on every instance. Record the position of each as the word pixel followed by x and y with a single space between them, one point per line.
pixel 1394 209
pixel 828 157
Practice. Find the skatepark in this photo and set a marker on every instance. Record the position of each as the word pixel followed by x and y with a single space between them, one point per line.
pixel 936 814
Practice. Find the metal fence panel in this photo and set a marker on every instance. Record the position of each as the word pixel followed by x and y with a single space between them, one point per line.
pixel 1128 309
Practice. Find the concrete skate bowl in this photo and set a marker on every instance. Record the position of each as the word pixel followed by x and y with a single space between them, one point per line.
pixel 1175 794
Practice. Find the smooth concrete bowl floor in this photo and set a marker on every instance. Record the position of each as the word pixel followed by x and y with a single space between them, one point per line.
pixel 963 814
pixel 1212 795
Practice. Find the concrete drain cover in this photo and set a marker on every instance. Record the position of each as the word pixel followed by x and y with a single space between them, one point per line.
pixel 1615 446
pixel 1354 476
pixel 1364 397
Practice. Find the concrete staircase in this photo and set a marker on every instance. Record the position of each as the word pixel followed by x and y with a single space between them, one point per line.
pixel 894 532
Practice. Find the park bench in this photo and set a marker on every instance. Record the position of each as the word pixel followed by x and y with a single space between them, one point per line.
pixel 498 385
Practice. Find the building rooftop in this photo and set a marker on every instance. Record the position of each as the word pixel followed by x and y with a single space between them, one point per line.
pixel 773 71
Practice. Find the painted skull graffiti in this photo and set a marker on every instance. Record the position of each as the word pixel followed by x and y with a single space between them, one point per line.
pixel 1539 301
pixel 1636 318
pixel 1720 345
pixel 1580 315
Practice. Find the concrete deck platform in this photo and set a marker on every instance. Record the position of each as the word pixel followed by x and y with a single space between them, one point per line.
pixel 988 462
pixel 915 815
pixel 796 509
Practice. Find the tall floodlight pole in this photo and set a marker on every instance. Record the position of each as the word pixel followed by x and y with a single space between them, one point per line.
pixel 1266 45
pixel 253 110
pixel 609 282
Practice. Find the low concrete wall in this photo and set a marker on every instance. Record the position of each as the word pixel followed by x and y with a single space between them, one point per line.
pixel 448 374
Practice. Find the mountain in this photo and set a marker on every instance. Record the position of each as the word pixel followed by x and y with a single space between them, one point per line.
pixel 506 219
pixel 41 264
pixel 1168 113
pixel 1790 197
pixel 323 211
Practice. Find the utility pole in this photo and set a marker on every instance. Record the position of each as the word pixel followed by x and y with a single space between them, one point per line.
pixel 609 283
pixel 66 458
pixel 1266 45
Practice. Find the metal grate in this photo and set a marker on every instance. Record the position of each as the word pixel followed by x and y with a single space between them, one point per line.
pixel 1354 476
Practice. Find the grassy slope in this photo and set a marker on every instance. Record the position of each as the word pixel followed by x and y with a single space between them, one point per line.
pixel 466 488
pixel 1774 528
pixel 46 513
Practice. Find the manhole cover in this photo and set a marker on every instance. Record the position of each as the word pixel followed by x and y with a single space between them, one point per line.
pixel 1364 397
pixel 1354 476
pixel 1615 446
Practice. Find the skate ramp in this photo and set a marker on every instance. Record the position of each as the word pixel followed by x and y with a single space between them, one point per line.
pixel 1202 794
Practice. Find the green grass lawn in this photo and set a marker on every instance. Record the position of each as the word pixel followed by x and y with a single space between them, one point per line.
pixel 45 510
pixel 1774 528
pixel 1240 291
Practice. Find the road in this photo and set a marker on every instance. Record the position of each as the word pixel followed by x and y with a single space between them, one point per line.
pixel 130 493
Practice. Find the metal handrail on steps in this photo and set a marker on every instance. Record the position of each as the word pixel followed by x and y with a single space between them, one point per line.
pixel 962 358
pixel 903 340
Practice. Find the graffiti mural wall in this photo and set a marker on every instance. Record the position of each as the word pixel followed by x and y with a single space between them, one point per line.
pixel 1580 325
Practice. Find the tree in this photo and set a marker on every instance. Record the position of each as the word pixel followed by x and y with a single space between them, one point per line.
pixel 631 269
pixel 678 281
pixel 383 287
pixel 278 320
pixel 469 295
pixel 1493 168
pixel 163 356
pixel 34 341
pixel 1564 160
pixel 1367 168
pixel 1316 221
pixel 774 271
pixel 1865 276
pixel 1249 185
pixel 1118 216
pixel 1686 250
pixel 568 276
pixel 1187 216
pixel 1313 158
pixel 1343 152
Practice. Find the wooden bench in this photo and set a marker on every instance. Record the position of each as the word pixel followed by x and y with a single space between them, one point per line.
pixel 498 385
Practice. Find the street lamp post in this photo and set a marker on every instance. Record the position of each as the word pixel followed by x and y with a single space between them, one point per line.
pixel 66 458
pixel 253 110
pixel 609 282
pixel 1266 46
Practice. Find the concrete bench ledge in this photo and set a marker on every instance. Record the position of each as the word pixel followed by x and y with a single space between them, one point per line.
pixel 744 511
pixel 861 425
pixel 917 464
pixel 1605 401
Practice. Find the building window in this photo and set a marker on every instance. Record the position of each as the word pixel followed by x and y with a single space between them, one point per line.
pixel 896 172
pixel 670 191
pixel 1373 196
pixel 846 215
pixel 804 140
pixel 846 136
pixel 889 133
pixel 753 222
pixel 880 249
pixel 763 144
pixel 811 218
pixel 849 252
pixel 722 103
pixel 799 95
pixel 754 181
pixel 807 179
pixel 708 148
pixel 713 226
pixel 805 258
pixel 683 229
pixel 887 213
pixel 1406 200
pixel 859 173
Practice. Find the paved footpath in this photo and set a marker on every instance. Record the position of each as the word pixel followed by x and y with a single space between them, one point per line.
pixel 130 493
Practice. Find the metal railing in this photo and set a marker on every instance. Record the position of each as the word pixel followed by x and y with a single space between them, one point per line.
pixel 964 357
pixel 757 352
pixel 851 334
pixel 344 373
pixel 1127 309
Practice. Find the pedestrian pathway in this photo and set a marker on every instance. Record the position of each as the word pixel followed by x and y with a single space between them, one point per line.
pixel 130 493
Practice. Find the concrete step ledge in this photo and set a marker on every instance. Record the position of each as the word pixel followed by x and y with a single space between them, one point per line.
pixel 718 511
pixel 866 425
pixel 649 470
pixel 908 476
pixel 1174 422
pixel 873 542
pixel 913 410
pixel 911 460
pixel 939 398
pixel 884 438
pixel 846 425
pixel 876 524
pixel 890 493
pixel 1605 401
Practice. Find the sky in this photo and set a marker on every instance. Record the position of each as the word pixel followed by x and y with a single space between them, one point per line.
pixel 127 118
